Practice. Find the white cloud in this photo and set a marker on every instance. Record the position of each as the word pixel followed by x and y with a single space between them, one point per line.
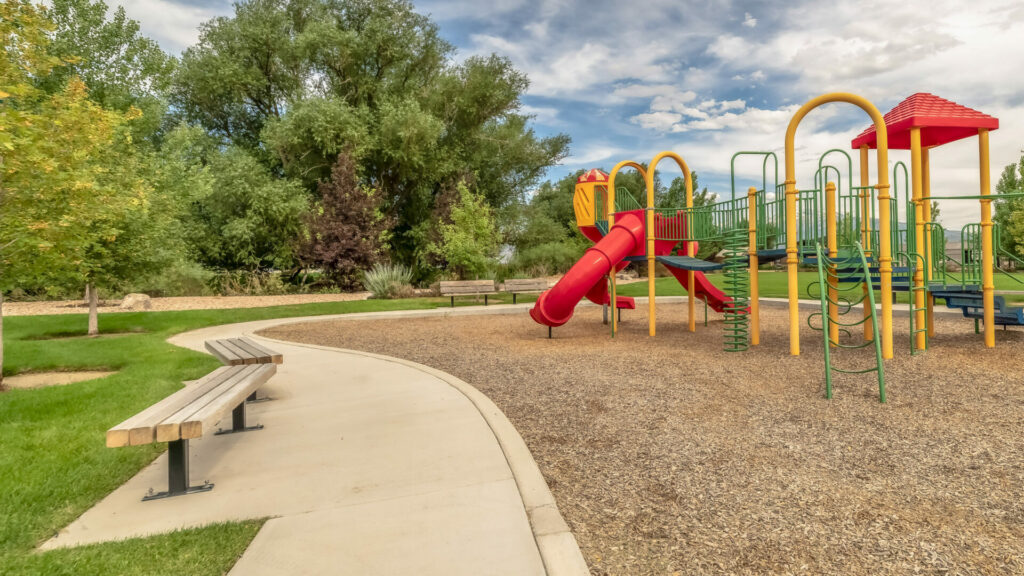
pixel 543 114
pixel 594 154
pixel 749 21
pixel 175 26
pixel 660 121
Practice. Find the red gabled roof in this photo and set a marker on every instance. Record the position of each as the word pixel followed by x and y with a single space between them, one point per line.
pixel 941 121
pixel 593 175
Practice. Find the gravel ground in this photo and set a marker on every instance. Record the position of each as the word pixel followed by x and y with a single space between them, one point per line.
pixel 177 303
pixel 668 456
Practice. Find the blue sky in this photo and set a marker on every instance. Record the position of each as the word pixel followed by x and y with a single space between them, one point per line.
pixel 706 79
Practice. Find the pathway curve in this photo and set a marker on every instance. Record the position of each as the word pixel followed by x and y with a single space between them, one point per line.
pixel 366 465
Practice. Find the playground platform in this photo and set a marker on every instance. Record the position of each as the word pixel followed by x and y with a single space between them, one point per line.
pixel 366 465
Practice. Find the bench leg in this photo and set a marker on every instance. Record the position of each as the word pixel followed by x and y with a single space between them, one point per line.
pixel 453 301
pixel 485 299
pixel 238 422
pixel 513 297
pixel 177 473
pixel 255 398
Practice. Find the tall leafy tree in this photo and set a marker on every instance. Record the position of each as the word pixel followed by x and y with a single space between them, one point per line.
pixel 72 207
pixel 296 82
pixel 23 36
pixel 1010 211
pixel 238 215
pixel 121 68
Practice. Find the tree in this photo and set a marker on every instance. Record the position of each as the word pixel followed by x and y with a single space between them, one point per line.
pixel 237 213
pixel 469 242
pixel 675 196
pixel 23 36
pixel 295 82
pixel 1009 214
pixel 121 68
pixel 347 230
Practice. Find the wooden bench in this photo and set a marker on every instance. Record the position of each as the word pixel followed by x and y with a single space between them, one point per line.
pixel 522 286
pixel 467 288
pixel 238 351
pixel 194 410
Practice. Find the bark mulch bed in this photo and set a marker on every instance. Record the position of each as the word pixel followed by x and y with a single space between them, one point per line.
pixel 667 455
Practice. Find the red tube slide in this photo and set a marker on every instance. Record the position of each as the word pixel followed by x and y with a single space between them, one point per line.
pixel 555 306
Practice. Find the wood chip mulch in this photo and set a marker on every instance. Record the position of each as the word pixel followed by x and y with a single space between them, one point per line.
pixel 669 456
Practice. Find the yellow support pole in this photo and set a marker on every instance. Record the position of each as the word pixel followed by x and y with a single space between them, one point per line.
pixel 865 236
pixel 885 250
pixel 926 197
pixel 755 306
pixel 649 231
pixel 833 252
pixel 916 187
pixel 987 282
pixel 793 286
pixel 610 211
pixel 691 290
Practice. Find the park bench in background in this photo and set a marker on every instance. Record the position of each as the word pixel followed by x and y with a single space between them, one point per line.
pixel 467 288
pixel 236 351
pixel 192 411
pixel 523 286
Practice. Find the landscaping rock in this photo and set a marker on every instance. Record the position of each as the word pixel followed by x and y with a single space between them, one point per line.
pixel 136 302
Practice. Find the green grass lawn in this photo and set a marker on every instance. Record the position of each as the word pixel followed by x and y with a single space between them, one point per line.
pixel 53 461
pixel 774 284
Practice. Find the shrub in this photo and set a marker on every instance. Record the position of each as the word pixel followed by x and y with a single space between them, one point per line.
pixel 246 283
pixel 183 278
pixel 549 258
pixel 469 242
pixel 388 281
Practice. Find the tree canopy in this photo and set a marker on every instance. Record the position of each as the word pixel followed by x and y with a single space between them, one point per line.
pixel 296 82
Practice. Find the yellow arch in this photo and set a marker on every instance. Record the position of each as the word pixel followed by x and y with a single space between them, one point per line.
pixel 885 250
pixel 609 209
pixel 649 226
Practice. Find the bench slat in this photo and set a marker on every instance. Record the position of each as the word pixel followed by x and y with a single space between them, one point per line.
pixel 214 411
pixel 525 285
pixel 467 292
pixel 461 283
pixel 141 428
pixel 223 353
pixel 262 356
pixel 169 429
pixel 245 355
pixel 275 357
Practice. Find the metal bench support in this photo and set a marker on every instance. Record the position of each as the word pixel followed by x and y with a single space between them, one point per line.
pixel 238 422
pixel 177 474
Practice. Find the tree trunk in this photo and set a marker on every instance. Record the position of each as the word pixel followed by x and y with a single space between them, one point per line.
pixel 94 321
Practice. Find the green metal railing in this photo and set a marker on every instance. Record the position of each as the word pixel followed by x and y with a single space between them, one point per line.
pixel 910 263
pixel 771 219
pixel 700 223
pixel 970 247
pixel 764 169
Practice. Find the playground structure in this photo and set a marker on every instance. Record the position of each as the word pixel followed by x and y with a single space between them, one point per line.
pixel 781 221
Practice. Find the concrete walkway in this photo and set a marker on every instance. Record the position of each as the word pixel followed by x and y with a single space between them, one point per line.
pixel 367 465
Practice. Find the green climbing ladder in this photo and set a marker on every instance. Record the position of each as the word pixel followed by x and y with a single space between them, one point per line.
pixel 736 272
pixel 908 263
pixel 840 280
